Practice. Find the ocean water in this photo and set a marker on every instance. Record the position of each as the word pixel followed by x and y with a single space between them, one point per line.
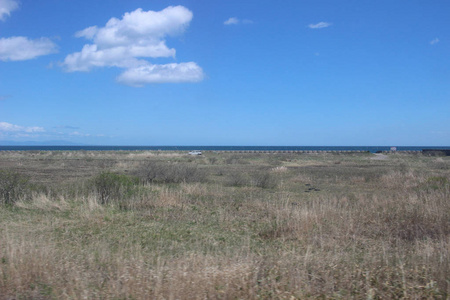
pixel 372 149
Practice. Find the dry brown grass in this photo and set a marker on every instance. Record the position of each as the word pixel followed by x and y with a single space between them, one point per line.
pixel 372 231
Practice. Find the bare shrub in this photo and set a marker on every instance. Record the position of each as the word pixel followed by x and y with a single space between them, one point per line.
pixel 13 186
pixel 238 179
pixel 212 160
pixel 264 180
pixel 111 186
pixel 261 179
pixel 158 172
pixel 235 160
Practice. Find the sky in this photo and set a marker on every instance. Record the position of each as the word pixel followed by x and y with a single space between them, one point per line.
pixel 225 72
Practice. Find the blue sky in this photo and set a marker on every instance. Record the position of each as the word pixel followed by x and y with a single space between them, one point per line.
pixel 291 72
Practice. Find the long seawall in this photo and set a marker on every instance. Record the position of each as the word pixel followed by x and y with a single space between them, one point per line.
pixel 310 151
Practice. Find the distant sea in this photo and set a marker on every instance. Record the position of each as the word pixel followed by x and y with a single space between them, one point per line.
pixel 372 149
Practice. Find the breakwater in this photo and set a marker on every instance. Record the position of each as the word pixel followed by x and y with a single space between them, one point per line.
pixel 436 152
pixel 234 149
pixel 311 151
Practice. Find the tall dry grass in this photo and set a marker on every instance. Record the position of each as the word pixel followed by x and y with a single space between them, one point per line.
pixel 383 239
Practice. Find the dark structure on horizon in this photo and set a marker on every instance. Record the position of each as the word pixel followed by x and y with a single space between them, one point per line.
pixel 436 152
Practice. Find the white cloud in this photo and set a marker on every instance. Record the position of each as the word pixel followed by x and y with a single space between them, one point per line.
pixel 88 33
pixel 21 48
pixel 7 127
pixel 236 21
pixel 145 29
pixel 77 133
pixel 6 7
pixel 434 41
pixel 231 21
pixel 182 72
pixel 122 57
pixel 66 127
pixel 12 131
pixel 81 134
pixel 127 43
pixel 319 25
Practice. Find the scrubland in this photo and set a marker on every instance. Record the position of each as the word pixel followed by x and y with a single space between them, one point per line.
pixel 166 225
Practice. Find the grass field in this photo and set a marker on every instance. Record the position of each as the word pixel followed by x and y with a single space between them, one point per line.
pixel 166 225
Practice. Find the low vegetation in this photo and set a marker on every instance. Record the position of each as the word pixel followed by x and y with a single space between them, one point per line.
pixel 13 186
pixel 165 225
pixel 111 187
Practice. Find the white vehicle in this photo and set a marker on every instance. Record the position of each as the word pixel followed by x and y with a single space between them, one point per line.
pixel 195 152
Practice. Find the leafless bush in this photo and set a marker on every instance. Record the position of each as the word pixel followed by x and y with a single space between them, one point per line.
pixel 235 160
pixel 264 180
pixel 261 179
pixel 158 172
pixel 114 187
pixel 238 179
pixel 13 186
pixel 212 160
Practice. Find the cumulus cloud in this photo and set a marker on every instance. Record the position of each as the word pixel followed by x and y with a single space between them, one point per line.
pixel 128 42
pixel 8 127
pixel 21 48
pixel 91 56
pixel 319 25
pixel 182 72
pixel 6 7
pixel 231 21
pixel 434 41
